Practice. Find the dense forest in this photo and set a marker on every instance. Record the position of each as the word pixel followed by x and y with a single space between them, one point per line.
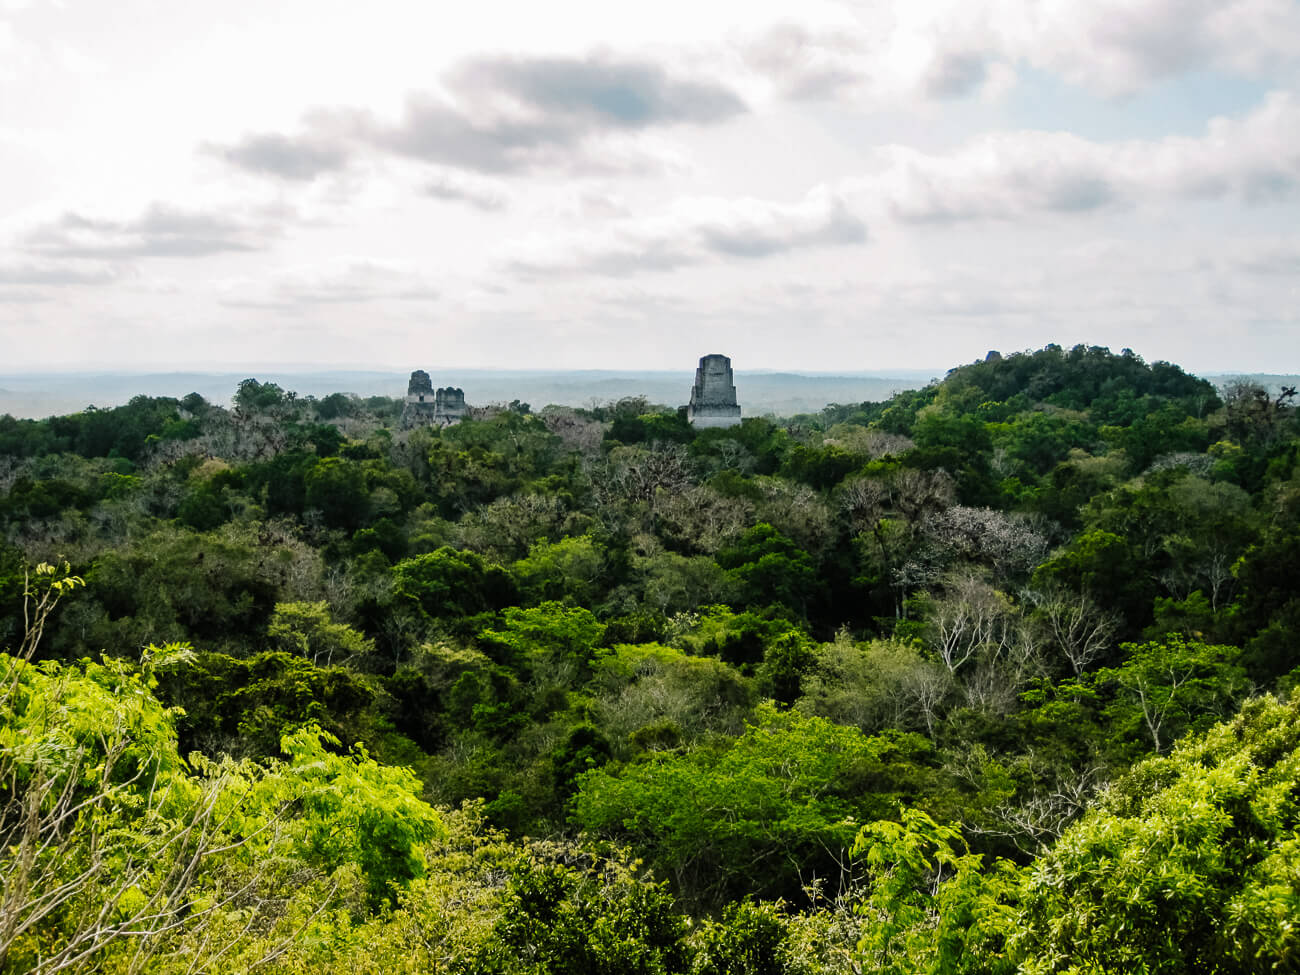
pixel 998 675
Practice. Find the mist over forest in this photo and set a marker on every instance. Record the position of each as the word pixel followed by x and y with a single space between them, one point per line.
pixel 997 673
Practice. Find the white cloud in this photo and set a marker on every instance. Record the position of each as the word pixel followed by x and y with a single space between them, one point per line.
pixel 504 114
pixel 56 275
pixel 342 281
pixel 161 230
pixel 951 48
pixel 1004 176
pixel 467 188
pixel 693 231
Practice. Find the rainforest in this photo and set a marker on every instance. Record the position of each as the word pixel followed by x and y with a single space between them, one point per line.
pixel 997 675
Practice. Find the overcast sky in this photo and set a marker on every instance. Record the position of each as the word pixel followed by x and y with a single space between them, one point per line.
pixel 817 186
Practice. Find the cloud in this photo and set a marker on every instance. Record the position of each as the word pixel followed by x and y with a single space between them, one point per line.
pixel 694 231
pixel 953 48
pixel 1281 260
pixel 34 274
pixel 1255 159
pixel 22 297
pixel 454 187
pixel 301 158
pixel 160 231
pixel 805 62
pixel 1117 46
pixel 503 115
pixel 596 91
pixel 341 282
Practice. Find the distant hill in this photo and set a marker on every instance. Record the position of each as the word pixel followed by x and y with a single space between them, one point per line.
pixel 782 394
pixel 1273 382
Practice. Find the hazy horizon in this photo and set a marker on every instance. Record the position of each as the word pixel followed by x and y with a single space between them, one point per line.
pixel 33 395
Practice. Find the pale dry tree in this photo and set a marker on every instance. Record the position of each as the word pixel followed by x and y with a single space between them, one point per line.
pixel 1074 624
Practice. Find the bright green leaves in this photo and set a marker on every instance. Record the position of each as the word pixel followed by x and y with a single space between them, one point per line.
pixel 770 568
pixel 354 810
pixel 560 921
pixel 929 907
pixel 1186 866
pixel 753 814
pixel 308 629
pixel 550 634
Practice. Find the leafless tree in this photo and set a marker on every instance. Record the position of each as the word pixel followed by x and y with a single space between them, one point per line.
pixel 1040 817
pixel 638 474
pixel 796 511
pixel 507 527
pixel 926 687
pixel 578 432
pixel 703 520
pixel 971 619
pixel 1073 624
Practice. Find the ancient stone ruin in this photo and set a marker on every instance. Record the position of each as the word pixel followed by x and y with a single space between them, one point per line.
pixel 449 405
pixel 713 397
pixel 426 406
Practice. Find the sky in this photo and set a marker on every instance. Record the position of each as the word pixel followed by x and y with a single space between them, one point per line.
pixel 822 186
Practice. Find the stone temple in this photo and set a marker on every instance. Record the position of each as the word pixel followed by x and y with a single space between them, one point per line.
pixel 426 406
pixel 713 397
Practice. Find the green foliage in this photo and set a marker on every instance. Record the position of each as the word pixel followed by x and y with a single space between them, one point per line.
pixel 243 707
pixel 748 938
pixel 576 633
pixel 739 638
pixel 770 568
pixel 450 584
pixel 752 815
pixel 549 634
pixel 929 907
pixel 1187 865
pixel 354 810
pixel 655 698
pixel 337 489
pixel 308 629
pixel 1169 687
pixel 572 568
pixel 561 921
pixel 216 589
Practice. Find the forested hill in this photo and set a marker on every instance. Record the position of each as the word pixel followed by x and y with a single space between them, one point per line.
pixel 993 676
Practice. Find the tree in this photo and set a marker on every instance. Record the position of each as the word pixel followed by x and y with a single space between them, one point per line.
pixel 307 629
pixel 560 638
pixel 929 907
pixel 652 697
pixel 1185 865
pixel 1073 624
pixel 337 489
pixel 448 583
pixel 971 620
pixel 106 842
pixel 601 921
pixel 883 684
pixel 758 813
pixel 572 568
pixel 1167 687
pixel 770 568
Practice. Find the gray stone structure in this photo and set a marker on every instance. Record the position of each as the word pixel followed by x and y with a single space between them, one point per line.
pixel 426 406
pixel 713 397
pixel 449 405
pixel 420 401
